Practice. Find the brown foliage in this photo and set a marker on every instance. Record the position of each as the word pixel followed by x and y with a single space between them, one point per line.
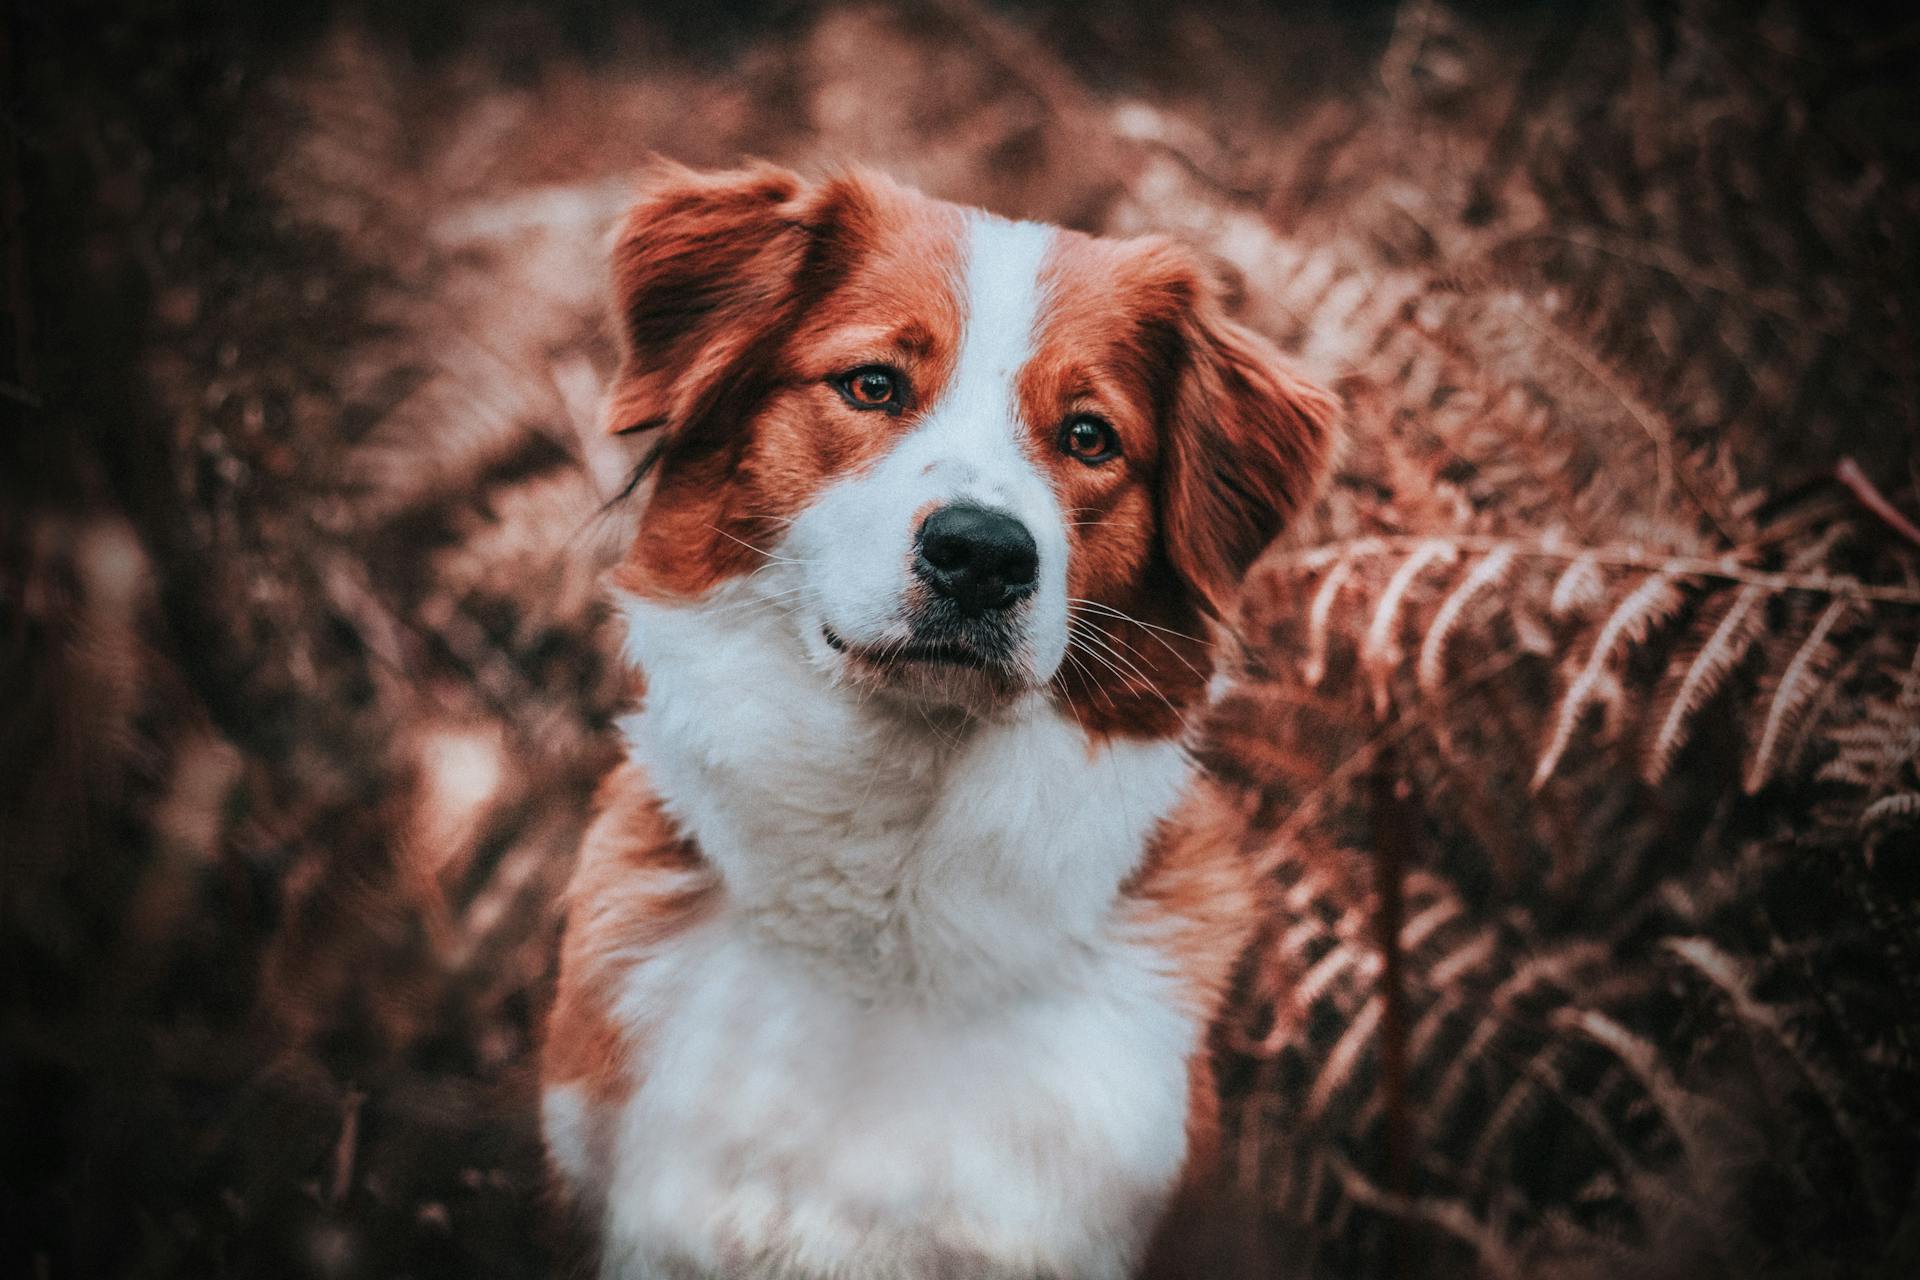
pixel 313 683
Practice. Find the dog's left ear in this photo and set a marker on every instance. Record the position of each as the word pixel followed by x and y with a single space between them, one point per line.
pixel 1246 446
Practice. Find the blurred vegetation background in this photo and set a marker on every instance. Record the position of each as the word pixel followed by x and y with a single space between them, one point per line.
pixel 1578 728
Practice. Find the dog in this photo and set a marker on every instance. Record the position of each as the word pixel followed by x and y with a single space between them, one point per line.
pixel 894 947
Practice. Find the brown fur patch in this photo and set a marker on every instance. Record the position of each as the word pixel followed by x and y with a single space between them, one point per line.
pixel 1195 900
pixel 638 883
pixel 1218 446
pixel 743 295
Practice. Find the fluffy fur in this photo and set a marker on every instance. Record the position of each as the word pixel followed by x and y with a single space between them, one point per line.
pixel 883 962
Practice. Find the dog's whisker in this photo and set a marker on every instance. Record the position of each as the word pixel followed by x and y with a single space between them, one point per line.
pixel 1141 677
pixel 760 551
pixel 1177 655
pixel 1146 658
pixel 1066 694
pixel 1122 614
pixel 1093 681
pixel 784 602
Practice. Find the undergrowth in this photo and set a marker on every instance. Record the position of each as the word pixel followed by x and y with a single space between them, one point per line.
pixel 1576 728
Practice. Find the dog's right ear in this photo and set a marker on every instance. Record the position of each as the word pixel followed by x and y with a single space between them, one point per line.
pixel 705 267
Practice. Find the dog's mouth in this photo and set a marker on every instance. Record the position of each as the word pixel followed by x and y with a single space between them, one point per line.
pixel 946 653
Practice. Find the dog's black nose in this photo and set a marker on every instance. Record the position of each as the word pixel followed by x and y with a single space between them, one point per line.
pixel 978 559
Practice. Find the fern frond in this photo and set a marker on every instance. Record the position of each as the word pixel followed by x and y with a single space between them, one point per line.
pixel 1579 587
pixel 1313 669
pixel 1587 560
pixel 1531 978
pixel 1454 1218
pixel 1338 1069
pixel 1489 573
pixel 1882 738
pixel 1693 679
pixel 1522 1092
pixel 1685 1112
pixel 1896 812
pixel 1643 608
pixel 1772 1028
pixel 1805 675
pixel 1380 653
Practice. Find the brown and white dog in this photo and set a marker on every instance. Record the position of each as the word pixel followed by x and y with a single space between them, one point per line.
pixel 894 949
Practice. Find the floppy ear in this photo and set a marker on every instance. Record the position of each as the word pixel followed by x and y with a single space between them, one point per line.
pixel 705 267
pixel 1247 443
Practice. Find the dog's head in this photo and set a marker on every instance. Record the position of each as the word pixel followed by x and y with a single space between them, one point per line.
pixel 967 460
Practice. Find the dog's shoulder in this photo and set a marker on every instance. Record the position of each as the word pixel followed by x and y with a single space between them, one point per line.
pixel 1195 896
pixel 638 883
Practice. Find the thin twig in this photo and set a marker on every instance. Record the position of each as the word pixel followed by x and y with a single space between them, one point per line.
pixel 346 1147
pixel 1868 494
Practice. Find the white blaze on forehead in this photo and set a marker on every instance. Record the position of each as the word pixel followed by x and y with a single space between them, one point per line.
pixel 855 542
pixel 973 446
pixel 1002 307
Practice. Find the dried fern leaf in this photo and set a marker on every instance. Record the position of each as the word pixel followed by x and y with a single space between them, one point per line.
pixel 1804 676
pixel 1891 813
pixel 1773 1027
pixel 1430 669
pixel 1494 1258
pixel 1579 587
pixel 1643 608
pixel 1473 954
pixel 1442 911
pixel 1338 1069
pixel 1448 1009
pixel 1909 699
pixel 1883 738
pixel 1643 1185
pixel 1553 971
pixel 1314 984
pixel 1688 1114
pixel 1522 1093
pixel 1695 676
pixel 1701 670
pixel 1313 669
pixel 1380 653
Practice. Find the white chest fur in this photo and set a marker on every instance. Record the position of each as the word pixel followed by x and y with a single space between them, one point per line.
pixel 895 853
pixel 784 1129
pixel 913 1042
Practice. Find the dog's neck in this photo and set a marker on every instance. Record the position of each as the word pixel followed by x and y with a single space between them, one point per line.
pixel 911 856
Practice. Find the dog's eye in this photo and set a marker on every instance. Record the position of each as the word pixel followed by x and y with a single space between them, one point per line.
pixel 1089 439
pixel 873 386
